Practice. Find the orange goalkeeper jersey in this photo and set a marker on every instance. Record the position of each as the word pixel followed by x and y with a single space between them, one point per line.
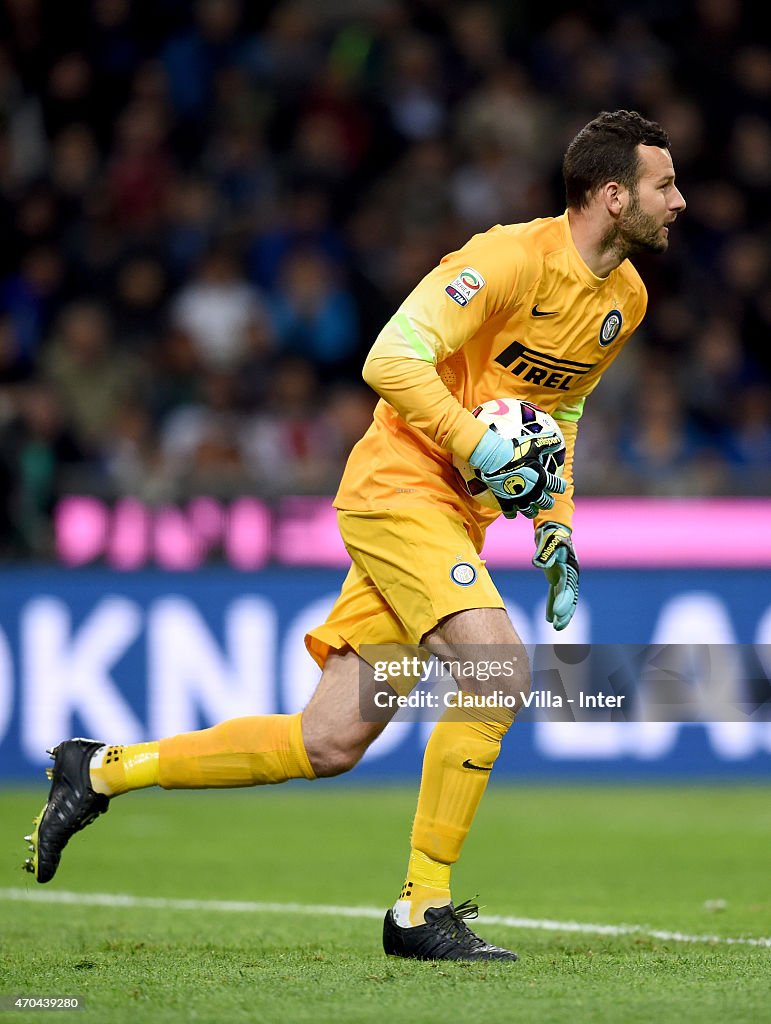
pixel 515 312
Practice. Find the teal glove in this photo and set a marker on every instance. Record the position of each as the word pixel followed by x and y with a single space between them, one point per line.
pixel 519 483
pixel 525 487
pixel 554 554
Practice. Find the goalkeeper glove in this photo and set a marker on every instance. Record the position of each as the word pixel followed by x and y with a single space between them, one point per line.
pixel 519 483
pixel 554 554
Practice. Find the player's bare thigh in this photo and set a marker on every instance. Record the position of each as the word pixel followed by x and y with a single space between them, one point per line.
pixel 336 730
pixel 483 636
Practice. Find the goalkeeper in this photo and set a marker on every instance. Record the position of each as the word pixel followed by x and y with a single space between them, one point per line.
pixel 536 311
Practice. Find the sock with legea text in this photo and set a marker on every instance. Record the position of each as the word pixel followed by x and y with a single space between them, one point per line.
pixel 457 762
pixel 251 751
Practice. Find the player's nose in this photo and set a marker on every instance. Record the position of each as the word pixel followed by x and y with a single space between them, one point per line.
pixel 678 201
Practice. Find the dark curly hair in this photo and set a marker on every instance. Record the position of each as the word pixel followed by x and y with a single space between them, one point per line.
pixel 606 150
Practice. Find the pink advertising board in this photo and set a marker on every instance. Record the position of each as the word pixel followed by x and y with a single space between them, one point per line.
pixel 248 534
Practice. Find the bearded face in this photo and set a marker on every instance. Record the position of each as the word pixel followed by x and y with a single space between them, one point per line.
pixel 638 231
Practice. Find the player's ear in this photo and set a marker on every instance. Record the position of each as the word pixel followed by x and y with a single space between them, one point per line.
pixel 615 197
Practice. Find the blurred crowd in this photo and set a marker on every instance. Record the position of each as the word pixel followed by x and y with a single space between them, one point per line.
pixel 209 209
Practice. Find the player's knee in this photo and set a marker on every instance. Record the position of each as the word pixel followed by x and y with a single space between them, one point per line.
pixel 334 758
pixel 510 688
pixel 509 684
pixel 514 677
pixel 524 686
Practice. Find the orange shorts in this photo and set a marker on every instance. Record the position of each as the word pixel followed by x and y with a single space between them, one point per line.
pixel 410 569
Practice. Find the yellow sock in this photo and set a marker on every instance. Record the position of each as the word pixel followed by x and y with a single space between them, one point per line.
pixel 456 767
pixel 427 885
pixel 251 751
pixel 116 770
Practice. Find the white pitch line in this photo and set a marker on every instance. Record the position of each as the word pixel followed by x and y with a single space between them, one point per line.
pixel 125 900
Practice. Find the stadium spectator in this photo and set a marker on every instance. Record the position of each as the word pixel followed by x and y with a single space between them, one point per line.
pixel 88 373
pixel 657 442
pixel 37 448
pixel 191 226
pixel 301 219
pixel 750 443
pixel 314 315
pixel 200 441
pixel 130 457
pixel 218 308
pixel 139 301
pixel 31 297
pixel 140 173
pixel 286 445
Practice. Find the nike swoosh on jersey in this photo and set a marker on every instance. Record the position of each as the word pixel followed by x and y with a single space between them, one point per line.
pixel 535 311
pixel 469 764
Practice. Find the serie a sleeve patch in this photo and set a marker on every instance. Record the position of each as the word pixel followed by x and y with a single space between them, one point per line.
pixel 466 285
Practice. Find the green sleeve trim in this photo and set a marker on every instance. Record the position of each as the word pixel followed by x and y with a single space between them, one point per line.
pixel 571 412
pixel 413 339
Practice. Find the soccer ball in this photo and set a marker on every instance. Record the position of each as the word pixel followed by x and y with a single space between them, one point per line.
pixel 521 421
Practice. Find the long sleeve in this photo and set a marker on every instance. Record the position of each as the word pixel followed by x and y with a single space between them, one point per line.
pixel 414 389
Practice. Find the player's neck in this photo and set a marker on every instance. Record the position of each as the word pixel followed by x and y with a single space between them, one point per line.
pixel 591 241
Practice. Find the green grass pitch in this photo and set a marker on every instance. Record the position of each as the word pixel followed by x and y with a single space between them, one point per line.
pixel 662 858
